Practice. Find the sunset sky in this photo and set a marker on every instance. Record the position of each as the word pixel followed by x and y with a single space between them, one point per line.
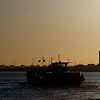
pixel 35 28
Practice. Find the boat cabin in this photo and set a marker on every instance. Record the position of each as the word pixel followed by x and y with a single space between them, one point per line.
pixel 60 65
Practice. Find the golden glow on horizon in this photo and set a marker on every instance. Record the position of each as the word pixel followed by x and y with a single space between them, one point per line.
pixel 32 28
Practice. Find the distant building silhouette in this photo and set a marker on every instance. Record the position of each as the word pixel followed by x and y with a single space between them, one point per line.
pixel 91 65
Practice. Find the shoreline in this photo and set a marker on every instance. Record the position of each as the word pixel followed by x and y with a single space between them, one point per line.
pixel 79 68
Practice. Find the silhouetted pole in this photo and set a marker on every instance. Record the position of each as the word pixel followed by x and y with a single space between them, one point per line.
pixel 58 57
pixel 51 60
pixel 32 61
pixel 99 57
pixel 14 62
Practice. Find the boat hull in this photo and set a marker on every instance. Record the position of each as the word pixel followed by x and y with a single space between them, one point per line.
pixel 55 79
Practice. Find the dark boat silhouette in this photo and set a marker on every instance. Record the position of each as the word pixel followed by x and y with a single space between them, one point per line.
pixel 56 74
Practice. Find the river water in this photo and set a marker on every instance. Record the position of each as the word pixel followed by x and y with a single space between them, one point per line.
pixel 13 86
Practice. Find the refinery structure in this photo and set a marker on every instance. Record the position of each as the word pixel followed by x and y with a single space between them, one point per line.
pixel 79 67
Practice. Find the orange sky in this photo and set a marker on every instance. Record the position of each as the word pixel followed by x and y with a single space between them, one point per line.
pixel 32 28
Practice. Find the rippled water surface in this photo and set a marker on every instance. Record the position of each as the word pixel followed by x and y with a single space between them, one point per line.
pixel 13 86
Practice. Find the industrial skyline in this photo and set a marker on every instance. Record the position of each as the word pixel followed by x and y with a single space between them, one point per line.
pixel 32 28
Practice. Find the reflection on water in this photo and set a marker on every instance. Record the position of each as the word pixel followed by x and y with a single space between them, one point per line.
pixel 13 86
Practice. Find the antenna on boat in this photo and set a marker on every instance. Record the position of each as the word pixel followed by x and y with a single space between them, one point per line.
pixel 68 61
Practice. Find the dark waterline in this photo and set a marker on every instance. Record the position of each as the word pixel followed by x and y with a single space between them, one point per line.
pixel 13 86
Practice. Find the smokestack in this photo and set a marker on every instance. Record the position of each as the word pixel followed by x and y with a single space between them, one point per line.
pixel 58 57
